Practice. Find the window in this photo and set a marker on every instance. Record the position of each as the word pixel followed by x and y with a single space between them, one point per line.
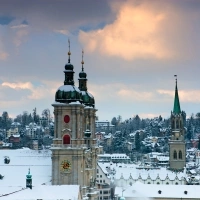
pixel 167 183
pixel 97 176
pixel 176 183
pixel 180 154
pixel 97 171
pixel 173 124
pixel 100 176
pixel 177 124
pixel 158 183
pixel 66 139
pixel 175 154
pixel 148 183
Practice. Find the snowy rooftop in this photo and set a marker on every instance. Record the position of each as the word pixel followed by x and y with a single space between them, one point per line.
pixel 46 192
pixel 159 191
pixel 21 160
pixel 126 170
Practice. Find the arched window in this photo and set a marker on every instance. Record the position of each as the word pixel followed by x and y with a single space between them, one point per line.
pixel 173 126
pixel 176 183
pixel 167 183
pixel 180 154
pixel 158 183
pixel 177 124
pixel 66 139
pixel 175 154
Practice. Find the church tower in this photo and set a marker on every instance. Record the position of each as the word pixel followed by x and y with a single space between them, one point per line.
pixel 74 149
pixel 177 142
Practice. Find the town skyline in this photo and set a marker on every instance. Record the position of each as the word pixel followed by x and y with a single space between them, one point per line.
pixel 132 50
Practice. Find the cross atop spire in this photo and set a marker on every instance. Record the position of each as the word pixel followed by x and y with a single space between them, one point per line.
pixel 69 53
pixel 82 62
pixel 177 108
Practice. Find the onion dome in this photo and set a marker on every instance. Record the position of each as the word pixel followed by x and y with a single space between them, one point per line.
pixel 68 92
pixel 87 98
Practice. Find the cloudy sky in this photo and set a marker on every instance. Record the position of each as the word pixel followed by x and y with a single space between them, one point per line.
pixel 132 49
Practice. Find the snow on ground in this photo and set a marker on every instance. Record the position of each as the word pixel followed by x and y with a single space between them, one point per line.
pixel 21 160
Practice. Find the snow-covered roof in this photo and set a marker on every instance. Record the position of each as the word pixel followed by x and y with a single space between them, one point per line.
pixel 15 135
pixel 114 155
pixel 159 191
pixel 76 102
pixel 125 170
pixel 15 124
pixel 21 160
pixel 162 158
pixel 46 192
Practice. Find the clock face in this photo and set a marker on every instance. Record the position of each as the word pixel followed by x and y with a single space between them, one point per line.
pixel 66 118
pixel 65 165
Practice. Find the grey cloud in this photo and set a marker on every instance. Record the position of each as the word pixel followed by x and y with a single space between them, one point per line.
pixel 58 14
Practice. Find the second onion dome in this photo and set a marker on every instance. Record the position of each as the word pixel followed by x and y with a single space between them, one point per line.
pixel 87 98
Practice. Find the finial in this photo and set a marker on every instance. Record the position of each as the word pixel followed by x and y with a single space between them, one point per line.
pixel 82 62
pixel 175 78
pixel 69 53
pixel 176 81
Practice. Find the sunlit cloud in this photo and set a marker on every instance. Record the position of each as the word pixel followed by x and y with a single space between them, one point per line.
pixel 134 34
pixel 152 115
pixel 39 92
pixel 63 32
pixel 3 55
pixel 120 92
pixel 134 95
pixel 19 85
pixel 184 95
pixel 20 36
pixel 19 26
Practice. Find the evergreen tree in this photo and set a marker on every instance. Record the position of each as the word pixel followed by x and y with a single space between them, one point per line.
pixel 18 119
pixel 114 121
pixel 189 130
pixel 199 144
pixel 25 119
pixel 137 141
pixel 137 122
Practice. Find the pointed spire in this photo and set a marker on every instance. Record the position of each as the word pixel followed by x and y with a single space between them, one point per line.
pixel 82 62
pixel 69 53
pixel 177 109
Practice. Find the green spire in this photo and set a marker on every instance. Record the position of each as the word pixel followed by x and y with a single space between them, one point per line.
pixel 29 176
pixel 177 108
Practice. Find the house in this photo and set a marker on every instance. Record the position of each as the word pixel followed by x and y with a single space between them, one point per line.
pixel 14 140
pixel 103 182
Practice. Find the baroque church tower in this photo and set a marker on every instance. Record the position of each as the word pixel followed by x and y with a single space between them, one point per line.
pixel 177 142
pixel 74 149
